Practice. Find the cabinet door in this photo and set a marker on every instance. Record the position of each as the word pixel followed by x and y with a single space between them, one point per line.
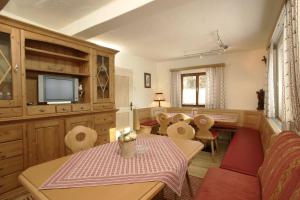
pixel 103 78
pixel 10 72
pixel 45 140
pixel 79 121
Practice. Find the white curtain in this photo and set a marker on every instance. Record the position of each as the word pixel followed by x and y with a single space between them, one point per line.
pixel 175 89
pixel 215 96
pixel 291 72
pixel 270 94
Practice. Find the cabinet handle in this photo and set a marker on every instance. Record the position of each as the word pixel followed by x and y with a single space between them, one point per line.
pixel 41 110
pixel 1 169
pixel 17 68
pixel 3 157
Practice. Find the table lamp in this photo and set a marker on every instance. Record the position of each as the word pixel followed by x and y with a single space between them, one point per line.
pixel 159 97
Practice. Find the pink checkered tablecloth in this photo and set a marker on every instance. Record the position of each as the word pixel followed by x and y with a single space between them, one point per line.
pixel 159 159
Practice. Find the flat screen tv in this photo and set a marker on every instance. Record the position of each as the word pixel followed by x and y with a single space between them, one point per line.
pixel 56 89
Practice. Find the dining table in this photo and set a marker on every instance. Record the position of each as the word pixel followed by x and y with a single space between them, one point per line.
pixel 33 177
pixel 220 120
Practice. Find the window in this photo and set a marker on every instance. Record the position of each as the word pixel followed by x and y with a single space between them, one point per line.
pixel 193 89
pixel 278 76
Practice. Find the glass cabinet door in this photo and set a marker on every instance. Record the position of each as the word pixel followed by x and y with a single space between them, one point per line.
pixel 104 76
pixel 9 67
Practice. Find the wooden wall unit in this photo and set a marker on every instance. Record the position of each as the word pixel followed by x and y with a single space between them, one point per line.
pixel 30 132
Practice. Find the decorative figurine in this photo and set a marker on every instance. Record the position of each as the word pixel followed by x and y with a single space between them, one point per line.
pixel 261 99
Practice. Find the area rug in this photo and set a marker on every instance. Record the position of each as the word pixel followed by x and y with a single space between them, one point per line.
pixel 168 194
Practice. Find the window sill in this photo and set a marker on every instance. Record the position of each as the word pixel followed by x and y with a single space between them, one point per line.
pixel 275 125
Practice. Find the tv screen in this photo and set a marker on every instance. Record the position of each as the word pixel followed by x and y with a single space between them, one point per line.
pixel 56 88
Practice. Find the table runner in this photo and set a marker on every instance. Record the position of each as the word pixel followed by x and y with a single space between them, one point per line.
pixel 159 160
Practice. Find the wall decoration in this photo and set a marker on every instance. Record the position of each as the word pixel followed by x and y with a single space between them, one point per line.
pixel 147 80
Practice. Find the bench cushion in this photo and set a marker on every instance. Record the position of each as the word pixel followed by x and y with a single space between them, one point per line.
pixel 149 123
pixel 245 152
pixel 221 184
pixel 280 173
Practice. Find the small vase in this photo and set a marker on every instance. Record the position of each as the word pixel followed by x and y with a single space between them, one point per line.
pixel 128 149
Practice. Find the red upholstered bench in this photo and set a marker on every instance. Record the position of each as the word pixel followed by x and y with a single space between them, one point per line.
pixel 151 123
pixel 278 177
pixel 245 152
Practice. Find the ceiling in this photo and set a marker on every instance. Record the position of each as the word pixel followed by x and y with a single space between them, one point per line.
pixel 158 30
pixel 54 14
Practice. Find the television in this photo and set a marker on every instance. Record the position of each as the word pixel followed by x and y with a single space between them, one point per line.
pixel 57 89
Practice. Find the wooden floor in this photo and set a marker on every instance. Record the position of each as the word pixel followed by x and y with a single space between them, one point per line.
pixel 203 161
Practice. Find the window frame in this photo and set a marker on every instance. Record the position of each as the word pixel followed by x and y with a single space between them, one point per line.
pixel 276 73
pixel 197 88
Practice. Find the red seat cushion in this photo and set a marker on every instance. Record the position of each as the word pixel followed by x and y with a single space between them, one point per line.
pixel 245 152
pixel 149 123
pixel 214 133
pixel 221 184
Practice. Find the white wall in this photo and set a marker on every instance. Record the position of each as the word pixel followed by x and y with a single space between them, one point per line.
pixel 244 75
pixel 142 97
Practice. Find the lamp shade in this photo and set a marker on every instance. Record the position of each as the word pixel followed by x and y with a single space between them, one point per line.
pixel 159 96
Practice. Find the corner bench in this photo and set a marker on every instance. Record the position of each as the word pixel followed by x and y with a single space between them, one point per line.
pixel 245 152
pixel 277 178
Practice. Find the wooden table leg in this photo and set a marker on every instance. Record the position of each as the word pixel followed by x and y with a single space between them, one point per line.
pixel 189 183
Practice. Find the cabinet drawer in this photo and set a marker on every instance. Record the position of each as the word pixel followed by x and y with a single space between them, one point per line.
pixel 11 132
pixel 81 107
pixel 105 118
pixel 9 182
pixel 10 149
pixel 105 106
pixel 10 112
pixel 40 110
pixel 63 108
pixel 10 165
pixel 102 139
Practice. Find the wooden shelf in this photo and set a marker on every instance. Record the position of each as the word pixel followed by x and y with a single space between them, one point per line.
pixel 55 55
pixel 57 72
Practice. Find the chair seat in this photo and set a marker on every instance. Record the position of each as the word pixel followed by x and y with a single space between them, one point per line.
pixel 215 134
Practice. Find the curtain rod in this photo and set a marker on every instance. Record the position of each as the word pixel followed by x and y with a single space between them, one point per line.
pixel 197 67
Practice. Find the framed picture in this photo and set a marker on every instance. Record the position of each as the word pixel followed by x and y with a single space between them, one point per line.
pixel 147 80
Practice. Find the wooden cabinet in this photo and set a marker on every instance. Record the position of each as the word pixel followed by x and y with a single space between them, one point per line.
pixel 10 68
pixel 11 156
pixel 103 123
pixel 103 74
pixel 79 121
pixel 45 140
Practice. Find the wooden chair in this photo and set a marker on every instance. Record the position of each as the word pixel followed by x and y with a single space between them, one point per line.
pixel 164 121
pixel 181 117
pixel 182 130
pixel 204 124
pixel 80 138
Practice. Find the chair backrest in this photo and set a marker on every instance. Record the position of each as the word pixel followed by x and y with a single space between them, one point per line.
pixel 164 120
pixel 181 117
pixel 80 138
pixel 204 123
pixel 280 172
pixel 181 130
